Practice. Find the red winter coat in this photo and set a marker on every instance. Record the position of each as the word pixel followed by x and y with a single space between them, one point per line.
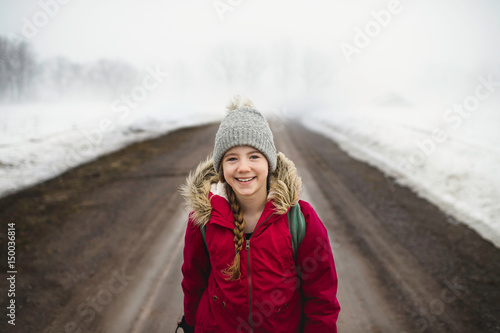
pixel 271 294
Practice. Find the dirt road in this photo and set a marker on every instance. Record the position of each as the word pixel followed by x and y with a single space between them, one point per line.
pixel 99 249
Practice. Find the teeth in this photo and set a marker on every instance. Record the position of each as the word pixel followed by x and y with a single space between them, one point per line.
pixel 245 179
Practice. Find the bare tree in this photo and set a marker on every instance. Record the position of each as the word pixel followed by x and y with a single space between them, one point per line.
pixel 4 67
pixel 112 76
pixel 17 69
pixel 25 69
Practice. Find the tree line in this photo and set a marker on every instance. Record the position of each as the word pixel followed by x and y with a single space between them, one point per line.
pixel 286 68
pixel 23 77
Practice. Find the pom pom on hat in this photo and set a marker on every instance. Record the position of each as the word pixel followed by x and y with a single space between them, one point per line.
pixel 239 102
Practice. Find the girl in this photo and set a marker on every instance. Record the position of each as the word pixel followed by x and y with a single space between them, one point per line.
pixel 241 273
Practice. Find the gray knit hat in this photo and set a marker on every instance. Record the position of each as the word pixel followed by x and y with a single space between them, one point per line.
pixel 244 126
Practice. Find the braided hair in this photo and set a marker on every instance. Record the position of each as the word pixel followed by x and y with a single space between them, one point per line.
pixel 233 272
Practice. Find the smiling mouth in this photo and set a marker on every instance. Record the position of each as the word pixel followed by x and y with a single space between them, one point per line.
pixel 244 180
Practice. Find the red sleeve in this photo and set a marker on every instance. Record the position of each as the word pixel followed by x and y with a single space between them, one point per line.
pixel 195 271
pixel 318 275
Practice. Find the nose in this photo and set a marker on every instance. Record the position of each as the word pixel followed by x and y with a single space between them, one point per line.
pixel 243 166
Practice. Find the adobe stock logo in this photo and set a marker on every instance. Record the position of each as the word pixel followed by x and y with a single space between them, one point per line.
pixel 48 9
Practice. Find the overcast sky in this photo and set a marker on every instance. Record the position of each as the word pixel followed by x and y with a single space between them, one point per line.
pixel 426 39
pixel 143 31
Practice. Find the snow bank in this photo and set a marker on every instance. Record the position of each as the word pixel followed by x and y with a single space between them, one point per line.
pixel 452 164
pixel 40 141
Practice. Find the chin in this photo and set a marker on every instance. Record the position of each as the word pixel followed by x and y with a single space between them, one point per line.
pixel 245 192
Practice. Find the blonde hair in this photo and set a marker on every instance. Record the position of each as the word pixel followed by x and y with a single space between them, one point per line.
pixel 233 271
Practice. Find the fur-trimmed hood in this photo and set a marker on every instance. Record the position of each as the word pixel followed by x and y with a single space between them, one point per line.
pixel 285 188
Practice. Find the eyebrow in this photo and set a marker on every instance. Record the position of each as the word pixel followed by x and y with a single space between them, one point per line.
pixel 249 153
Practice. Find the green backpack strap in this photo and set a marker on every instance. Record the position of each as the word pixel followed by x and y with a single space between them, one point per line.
pixel 297 226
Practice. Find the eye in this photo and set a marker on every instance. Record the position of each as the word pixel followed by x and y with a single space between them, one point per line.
pixel 254 157
pixel 230 159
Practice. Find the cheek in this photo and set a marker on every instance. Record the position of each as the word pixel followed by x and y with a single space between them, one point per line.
pixel 226 177
pixel 264 169
pixel 227 172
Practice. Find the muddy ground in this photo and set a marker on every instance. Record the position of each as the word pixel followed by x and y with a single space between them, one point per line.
pixel 99 248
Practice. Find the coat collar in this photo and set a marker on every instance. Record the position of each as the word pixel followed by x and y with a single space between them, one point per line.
pixel 206 196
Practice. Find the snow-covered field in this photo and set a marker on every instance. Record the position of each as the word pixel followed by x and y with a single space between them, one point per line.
pixel 40 141
pixel 449 158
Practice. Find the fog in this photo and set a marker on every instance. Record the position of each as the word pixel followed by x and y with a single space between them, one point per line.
pixel 278 53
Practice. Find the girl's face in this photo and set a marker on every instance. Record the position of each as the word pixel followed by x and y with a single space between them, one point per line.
pixel 245 170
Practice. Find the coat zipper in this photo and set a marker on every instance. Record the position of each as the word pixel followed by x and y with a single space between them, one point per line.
pixel 247 247
pixel 249 286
